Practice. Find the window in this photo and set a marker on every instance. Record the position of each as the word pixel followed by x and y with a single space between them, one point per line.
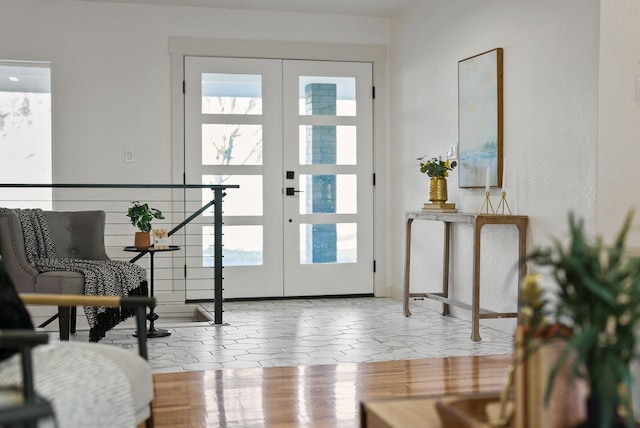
pixel 25 133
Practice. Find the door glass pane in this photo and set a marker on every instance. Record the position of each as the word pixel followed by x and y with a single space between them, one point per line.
pixel 242 245
pixel 328 243
pixel 328 194
pixel 231 144
pixel 231 93
pixel 334 96
pixel 335 145
pixel 245 201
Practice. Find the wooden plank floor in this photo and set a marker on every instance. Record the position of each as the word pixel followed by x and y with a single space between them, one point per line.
pixel 312 396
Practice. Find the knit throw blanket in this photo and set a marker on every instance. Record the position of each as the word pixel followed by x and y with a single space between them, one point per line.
pixel 101 277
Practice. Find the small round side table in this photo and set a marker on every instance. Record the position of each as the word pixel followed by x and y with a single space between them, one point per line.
pixel 152 316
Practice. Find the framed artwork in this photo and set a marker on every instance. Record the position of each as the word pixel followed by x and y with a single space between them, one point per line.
pixel 480 119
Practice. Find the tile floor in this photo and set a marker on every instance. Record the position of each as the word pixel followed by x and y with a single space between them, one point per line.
pixel 311 331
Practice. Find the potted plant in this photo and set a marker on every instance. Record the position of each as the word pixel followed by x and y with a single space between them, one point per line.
pixel 438 171
pixel 598 298
pixel 141 216
pixel 436 167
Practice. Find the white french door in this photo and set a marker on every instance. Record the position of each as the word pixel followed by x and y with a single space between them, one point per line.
pixel 297 137
pixel 328 224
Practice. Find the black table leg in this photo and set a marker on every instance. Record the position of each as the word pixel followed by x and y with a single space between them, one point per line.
pixel 152 316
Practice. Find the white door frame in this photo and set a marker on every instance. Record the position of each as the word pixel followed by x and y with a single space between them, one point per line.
pixel 179 47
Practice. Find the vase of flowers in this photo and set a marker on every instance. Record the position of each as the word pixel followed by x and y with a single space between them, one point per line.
pixel 438 190
pixel 597 299
pixel 438 171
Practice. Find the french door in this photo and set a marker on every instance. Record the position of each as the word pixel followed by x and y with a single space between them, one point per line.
pixel 297 137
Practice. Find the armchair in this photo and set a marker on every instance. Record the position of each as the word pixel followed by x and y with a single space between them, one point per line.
pixel 76 235
pixel 120 387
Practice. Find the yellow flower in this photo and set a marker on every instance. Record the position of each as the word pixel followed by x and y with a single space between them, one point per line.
pixel 436 167
pixel 532 291
pixel 623 299
pixel 611 325
pixel 526 313
pixel 624 318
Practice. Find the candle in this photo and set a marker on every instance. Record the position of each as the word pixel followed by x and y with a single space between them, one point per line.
pixel 504 177
pixel 488 179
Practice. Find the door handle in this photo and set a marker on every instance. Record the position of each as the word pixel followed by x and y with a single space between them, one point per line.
pixel 290 191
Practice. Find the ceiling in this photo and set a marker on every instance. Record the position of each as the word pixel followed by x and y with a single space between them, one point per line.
pixel 375 8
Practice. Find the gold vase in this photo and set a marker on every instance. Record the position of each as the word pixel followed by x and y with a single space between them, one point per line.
pixel 438 190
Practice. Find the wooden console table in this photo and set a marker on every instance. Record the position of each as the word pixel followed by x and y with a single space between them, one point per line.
pixel 477 221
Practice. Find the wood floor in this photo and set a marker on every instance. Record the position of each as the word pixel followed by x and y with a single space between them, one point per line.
pixel 312 396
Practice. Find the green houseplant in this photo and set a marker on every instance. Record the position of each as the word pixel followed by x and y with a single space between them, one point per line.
pixel 598 298
pixel 438 171
pixel 436 167
pixel 141 216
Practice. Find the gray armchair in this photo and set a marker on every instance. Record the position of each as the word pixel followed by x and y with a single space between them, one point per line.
pixel 75 234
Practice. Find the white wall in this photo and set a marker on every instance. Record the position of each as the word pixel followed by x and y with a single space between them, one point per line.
pixel 619 118
pixel 550 128
pixel 111 72
pixel 111 83
pixel 112 87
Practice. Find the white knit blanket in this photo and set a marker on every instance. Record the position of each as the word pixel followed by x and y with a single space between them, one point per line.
pixel 85 388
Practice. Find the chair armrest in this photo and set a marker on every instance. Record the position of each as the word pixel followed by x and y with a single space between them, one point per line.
pixel 139 303
pixel 84 300
pixel 25 414
pixel 20 338
pixel 14 255
pixel 24 341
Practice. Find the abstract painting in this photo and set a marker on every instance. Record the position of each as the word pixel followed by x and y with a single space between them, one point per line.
pixel 480 119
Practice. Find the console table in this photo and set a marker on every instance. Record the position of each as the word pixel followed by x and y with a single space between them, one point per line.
pixel 477 221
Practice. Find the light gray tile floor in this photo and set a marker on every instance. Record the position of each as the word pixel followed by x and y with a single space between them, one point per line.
pixel 311 331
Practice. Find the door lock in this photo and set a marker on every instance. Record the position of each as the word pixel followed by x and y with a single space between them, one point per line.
pixel 290 191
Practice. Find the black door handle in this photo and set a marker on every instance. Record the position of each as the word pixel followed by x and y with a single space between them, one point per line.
pixel 290 191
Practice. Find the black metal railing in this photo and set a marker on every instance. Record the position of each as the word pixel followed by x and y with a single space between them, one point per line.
pixel 71 196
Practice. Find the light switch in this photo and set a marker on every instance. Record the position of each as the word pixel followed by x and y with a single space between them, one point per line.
pixel 128 156
pixel 638 88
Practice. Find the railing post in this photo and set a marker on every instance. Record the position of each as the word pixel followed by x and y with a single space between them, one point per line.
pixel 217 254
